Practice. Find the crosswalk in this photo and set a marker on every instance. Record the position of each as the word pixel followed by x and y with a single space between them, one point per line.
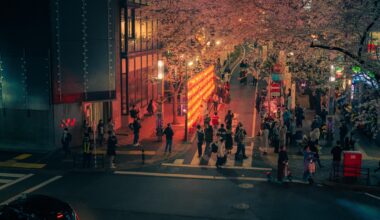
pixel 8 179
pixel 210 161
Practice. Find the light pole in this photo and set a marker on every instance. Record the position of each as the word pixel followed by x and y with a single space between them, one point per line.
pixel 190 63
pixel 160 113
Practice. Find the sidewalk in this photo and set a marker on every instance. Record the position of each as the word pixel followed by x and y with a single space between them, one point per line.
pixel 370 159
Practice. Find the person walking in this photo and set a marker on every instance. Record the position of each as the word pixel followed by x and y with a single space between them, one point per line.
pixel 87 151
pixel 206 120
pixel 215 102
pixel 136 131
pixel 221 154
pixel 169 138
pixel 215 120
pixel 150 108
pixel 276 137
pixel 265 138
pixel 283 131
pixel 281 163
pixel 100 129
pixel 111 149
pixel 241 136
pixel 299 116
pixel 291 132
pixel 337 157
pixel 309 165
pixel 65 140
pixel 201 139
pixel 111 125
pixel 134 112
pixel 229 140
pixel 209 136
pixel 228 118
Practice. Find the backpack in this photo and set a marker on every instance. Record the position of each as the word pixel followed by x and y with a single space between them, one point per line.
pixel 214 148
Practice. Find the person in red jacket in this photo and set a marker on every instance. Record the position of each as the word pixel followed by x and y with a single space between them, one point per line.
pixel 215 120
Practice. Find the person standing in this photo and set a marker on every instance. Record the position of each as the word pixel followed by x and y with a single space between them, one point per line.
pixel 337 157
pixel 201 139
pixel 299 116
pixel 65 140
pixel 215 102
pixel 283 131
pixel 111 125
pixel 87 152
pixel 150 108
pixel 215 120
pixel 221 154
pixel 136 131
pixel 276 137
pixel 343 132
pixel 221 133
pixel 134 112
pixel 169 138
pixel 111 149
pixel 100 129
pixel 281 163
pixel 209 136
pixel 228 118
pixel 241 136
pixel 229 140
pixel 265 138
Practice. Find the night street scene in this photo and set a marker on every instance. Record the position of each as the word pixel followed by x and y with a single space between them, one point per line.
pixel 189 109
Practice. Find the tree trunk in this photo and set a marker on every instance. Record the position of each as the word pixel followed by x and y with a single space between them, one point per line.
pixel 175 100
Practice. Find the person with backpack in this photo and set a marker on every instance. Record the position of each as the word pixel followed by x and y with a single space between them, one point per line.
pixel 111 149
pixel 240 136
pixel 201 139
pixel 169 138
pixel 65 140
pixel 87 151
pixel 209 136
pixel 136 131
pixel 221 133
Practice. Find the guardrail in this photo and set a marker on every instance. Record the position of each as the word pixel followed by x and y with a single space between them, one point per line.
pixel 350 175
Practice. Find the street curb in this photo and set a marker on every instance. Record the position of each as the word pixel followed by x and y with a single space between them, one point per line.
pixel 358 188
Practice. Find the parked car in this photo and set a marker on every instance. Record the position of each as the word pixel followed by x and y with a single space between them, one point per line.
pixel 37 207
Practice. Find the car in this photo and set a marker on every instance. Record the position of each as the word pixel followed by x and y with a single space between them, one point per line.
pixel 37 207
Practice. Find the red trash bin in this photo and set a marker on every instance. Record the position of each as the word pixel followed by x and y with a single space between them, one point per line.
pixel 352 163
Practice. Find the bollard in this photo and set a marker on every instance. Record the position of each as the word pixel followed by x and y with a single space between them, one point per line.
pixel 142 156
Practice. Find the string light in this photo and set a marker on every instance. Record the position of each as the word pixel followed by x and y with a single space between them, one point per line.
pixel 58 49
pixel 111 78
pixel 84 48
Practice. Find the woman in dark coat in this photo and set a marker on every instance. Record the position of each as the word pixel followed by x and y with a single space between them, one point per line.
pixel 229 140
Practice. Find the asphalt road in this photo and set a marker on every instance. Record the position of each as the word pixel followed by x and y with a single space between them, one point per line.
pixel 110 196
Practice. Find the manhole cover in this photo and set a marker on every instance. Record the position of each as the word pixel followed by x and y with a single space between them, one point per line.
pixel 246 185
pixel 241 206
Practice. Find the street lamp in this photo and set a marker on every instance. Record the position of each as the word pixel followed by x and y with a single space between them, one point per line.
pixel 189 64
pixel 160 113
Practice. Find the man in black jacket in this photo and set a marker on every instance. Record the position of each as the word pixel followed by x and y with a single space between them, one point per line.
pixel 201 139
pixel 209 135
pixel 136 131
pixel 169 138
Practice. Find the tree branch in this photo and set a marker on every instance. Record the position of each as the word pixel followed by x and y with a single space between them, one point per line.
pixel 344 51
pixel 365 34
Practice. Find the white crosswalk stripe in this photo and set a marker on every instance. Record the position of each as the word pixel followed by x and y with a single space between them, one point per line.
pixel 8 179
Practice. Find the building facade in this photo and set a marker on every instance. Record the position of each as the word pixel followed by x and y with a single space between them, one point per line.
pixel 67 62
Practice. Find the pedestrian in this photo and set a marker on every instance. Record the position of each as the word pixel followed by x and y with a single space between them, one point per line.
pixel 265 138
pixel 337 157
pixel 228 118
pixel 343 132
pixel 65 140
pixel 241 136
pixel 276 137
pixel 308 161
pixel 215 102
pixel 215 120
pixel 209 137
pixel 221 154
pixel 283 132
pixel 169 138
pixel 330 128
pixel 136 131
pixel 100 129
pixel 220 93
pixel 111 125
pixel 150 108
pixel 221 133
pixel 201 139
pixel 229 140
pixel 87 151
pixel 206 120
pixel 323 115
pixel 134 112
pixel 111 149
pixel 299 116
pixel 281 163
pixel 291 132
